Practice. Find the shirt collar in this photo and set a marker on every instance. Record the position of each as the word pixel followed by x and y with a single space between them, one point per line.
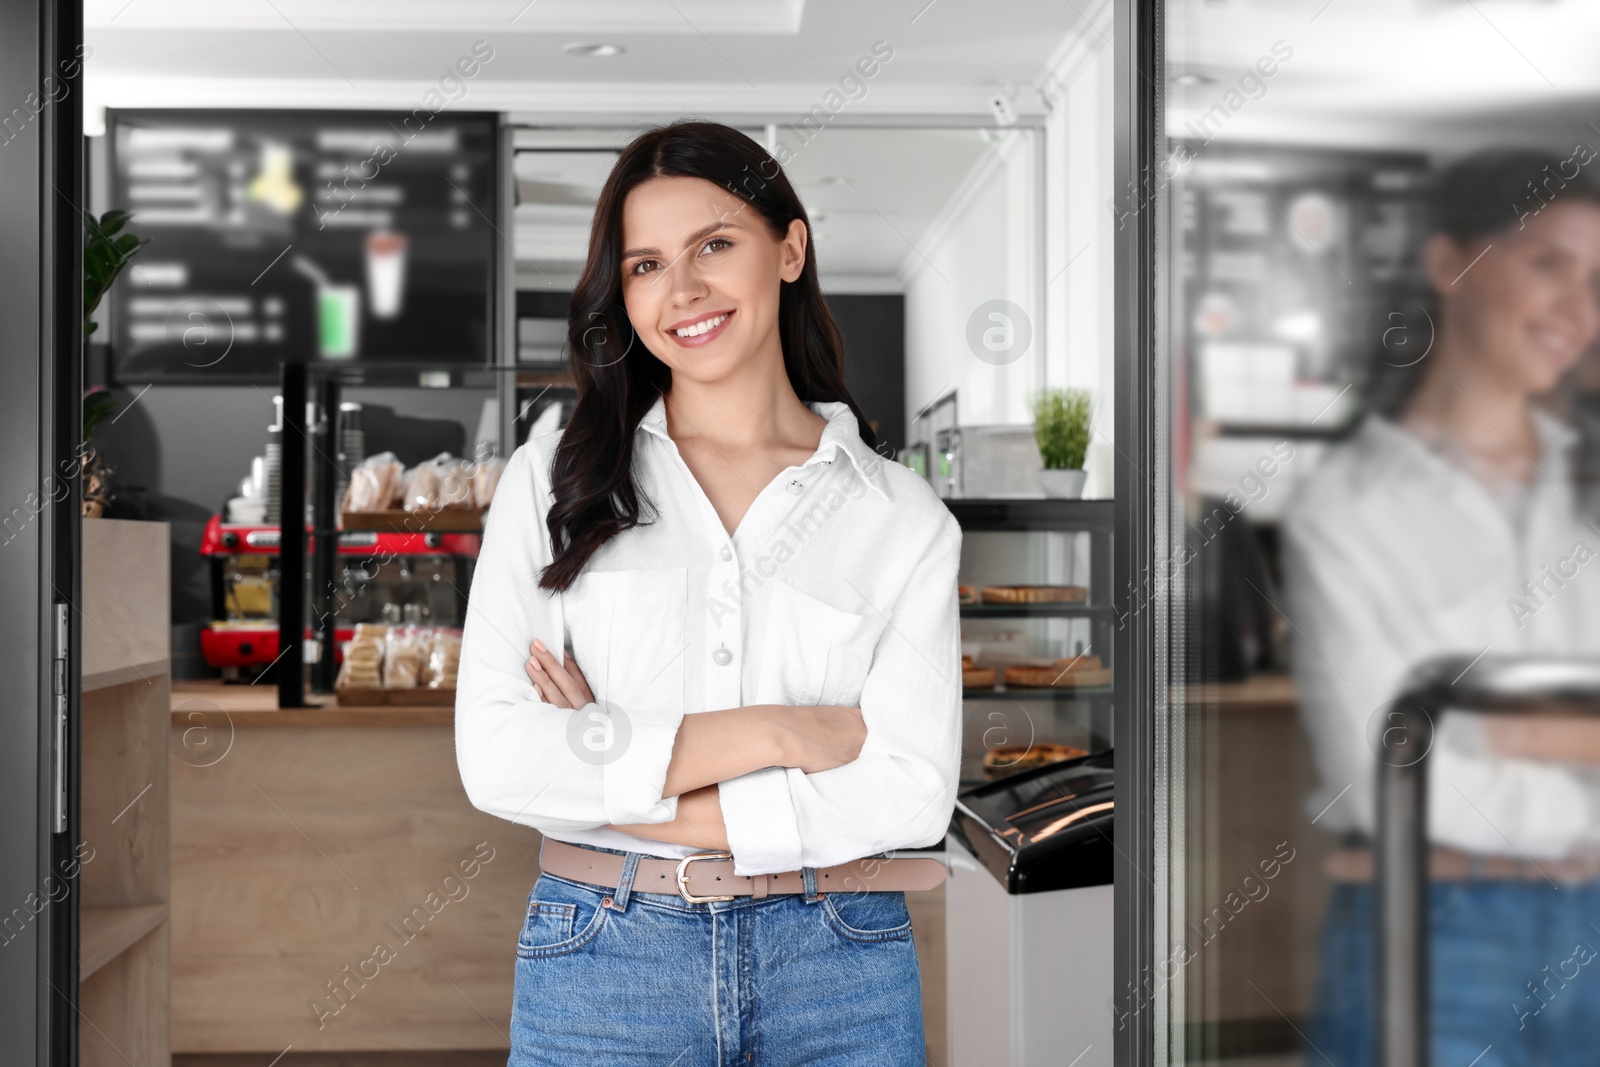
pixel 1390 450
pixel 842 434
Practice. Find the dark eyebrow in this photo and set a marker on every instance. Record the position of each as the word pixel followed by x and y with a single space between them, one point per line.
pixel 702 232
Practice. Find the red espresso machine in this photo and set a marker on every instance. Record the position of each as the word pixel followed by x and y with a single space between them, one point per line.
pixel 381 577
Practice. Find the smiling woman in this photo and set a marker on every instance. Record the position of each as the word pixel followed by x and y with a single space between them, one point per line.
pixel 1429 532
pixel 704 774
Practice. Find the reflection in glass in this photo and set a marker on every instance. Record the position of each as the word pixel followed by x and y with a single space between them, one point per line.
pixel 1381 290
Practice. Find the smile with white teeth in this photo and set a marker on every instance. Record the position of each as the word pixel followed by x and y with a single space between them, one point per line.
pixel 702 327
pixel 1555 342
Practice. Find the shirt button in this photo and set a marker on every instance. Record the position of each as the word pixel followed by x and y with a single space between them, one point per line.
pixel 722 656
pixel 795 488
pixel 727 553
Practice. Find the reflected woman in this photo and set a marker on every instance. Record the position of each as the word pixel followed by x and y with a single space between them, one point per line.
pixel 1450 527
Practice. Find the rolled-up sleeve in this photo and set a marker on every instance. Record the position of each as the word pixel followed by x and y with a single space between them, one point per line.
pixel 900 792
pixel 520 758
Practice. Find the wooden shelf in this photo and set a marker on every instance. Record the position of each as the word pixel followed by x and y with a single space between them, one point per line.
pixel 124 895
pixel 398 520
pixel 104 933
pixel 247 706
pixel 147 671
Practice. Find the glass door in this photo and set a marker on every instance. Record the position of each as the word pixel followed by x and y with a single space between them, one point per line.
pixel 1363 245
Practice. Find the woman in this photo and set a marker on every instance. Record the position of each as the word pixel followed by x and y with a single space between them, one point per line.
pixel 764 640
pixel 1449 527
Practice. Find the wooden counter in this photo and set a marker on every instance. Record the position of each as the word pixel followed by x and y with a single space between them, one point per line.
pixel 302 840
pixel 298 836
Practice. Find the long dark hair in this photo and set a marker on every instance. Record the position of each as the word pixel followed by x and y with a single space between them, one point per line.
pixel 1476 197
pixel 618 379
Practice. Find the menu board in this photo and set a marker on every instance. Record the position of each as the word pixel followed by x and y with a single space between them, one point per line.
pixel 301 235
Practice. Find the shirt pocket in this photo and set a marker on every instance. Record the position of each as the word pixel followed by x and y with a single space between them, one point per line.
pixel 812 652
pixel 629 632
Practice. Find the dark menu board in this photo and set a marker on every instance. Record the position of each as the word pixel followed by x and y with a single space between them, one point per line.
pixel 301 235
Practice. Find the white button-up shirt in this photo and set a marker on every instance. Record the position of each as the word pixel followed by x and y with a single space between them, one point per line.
pixel 1394 555
pixel 838 587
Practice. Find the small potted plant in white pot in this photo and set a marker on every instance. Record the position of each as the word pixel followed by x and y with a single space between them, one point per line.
pixel 1061 427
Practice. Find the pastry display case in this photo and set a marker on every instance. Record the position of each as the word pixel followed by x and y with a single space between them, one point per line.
pixel 1036 626
pixel 383 577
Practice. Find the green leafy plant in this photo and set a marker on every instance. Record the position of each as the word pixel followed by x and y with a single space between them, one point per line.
pixel 1061 427
pixel 97 404
pixel 105 253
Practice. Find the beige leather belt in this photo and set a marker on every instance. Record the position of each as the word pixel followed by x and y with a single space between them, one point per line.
pixel 1448 864
pixel 706 876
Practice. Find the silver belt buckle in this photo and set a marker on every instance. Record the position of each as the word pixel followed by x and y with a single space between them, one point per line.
pixel 683 876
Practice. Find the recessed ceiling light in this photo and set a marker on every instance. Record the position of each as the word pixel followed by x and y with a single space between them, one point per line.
pixel 588 49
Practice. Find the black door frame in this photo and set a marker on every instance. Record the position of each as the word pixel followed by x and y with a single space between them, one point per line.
pixel 1137 130
pixel 41 178
pixel 41 302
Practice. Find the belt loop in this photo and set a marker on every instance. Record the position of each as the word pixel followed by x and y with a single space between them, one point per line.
pixel 630 864
pixel 808 880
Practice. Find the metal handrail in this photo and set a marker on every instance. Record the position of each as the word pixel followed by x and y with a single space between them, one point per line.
pixel 1404 736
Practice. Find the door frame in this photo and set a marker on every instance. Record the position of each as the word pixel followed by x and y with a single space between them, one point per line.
pixel 1141 465
pixel 41 260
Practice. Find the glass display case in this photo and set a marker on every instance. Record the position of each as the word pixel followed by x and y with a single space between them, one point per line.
pixel 1036 627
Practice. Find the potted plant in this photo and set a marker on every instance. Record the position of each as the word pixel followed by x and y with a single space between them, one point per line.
pixel 104 255
pixel 1061 427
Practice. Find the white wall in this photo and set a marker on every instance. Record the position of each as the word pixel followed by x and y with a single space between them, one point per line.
pixel 1081 229
pixel 983 247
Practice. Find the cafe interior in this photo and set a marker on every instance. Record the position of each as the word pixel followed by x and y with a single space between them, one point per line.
pixel 356 227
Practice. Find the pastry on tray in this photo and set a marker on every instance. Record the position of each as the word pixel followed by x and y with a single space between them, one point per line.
pixel 967 594
pixel 1085 670
pixel 363 658
pixel 1034 594
pixel 1004 759
pixel 974 676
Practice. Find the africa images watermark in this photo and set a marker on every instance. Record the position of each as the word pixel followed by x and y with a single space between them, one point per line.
pixel 1581 154
pixel 452 88
pixel 1252 487
pixel 1552 579
pixel 1157 975
pixel 51 90
pixel 54 490
pixel 1251 85
pixel 343 988
pixel 55 889
pixel 851 87
pixel 795 530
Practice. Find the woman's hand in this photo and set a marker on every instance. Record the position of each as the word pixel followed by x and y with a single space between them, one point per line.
pixel 561 684
pixel 698 824
pixel 820 738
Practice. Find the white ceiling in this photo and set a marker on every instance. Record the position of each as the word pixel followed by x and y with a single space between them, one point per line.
pixel 725 55
pixel 872 194
pixel 1445 76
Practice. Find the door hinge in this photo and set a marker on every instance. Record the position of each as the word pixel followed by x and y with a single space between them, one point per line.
pixel 59 690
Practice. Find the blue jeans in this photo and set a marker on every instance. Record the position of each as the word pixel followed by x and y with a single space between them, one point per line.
pixel 653 980
pixel 1514 970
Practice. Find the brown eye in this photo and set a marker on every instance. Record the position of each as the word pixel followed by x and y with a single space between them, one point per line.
pixel 717 240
